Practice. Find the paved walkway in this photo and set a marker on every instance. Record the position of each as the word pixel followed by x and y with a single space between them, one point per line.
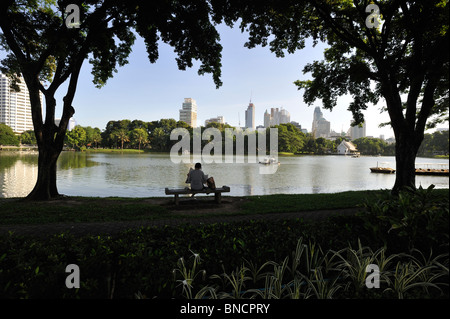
pixel 112 228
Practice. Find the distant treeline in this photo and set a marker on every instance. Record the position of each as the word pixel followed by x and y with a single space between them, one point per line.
pixel 155 136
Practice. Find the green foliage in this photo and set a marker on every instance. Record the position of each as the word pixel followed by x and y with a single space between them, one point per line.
pixel 76 137
pixel 324 275
pixel 322 259
pixel 93 136
pixel 290 138
pixel 436 143
pixel 417 217
pixel 7 136
pixel 139 136
pixel 28 138
pixel 372 146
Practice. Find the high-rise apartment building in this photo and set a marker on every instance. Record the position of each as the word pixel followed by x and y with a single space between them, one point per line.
pixel 250 117
pixel 320 126
pixel 15 107
pixel 188 113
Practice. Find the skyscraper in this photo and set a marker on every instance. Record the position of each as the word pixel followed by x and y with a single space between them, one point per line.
pixel 15 107
pixel 316 116
pixel 285 117
pixel 188 113
pixel 267 119
pixel 250 116
pixel 357 131
pixel 320 126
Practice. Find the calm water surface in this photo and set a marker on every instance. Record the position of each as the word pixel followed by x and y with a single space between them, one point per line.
pixel 145 175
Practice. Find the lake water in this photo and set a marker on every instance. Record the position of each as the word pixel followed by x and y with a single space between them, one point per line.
pixel 146 175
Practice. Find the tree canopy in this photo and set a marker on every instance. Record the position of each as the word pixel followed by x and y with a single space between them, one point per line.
pixel 403 60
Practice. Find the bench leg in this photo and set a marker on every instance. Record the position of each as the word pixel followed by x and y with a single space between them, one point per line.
pixel 218 197
pixel 177 200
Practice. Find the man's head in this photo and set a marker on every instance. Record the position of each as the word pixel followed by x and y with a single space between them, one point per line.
pixel 198 166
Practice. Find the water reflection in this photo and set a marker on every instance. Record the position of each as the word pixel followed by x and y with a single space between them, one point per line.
pixel 74 160
pixel 18 173
pixel 144 175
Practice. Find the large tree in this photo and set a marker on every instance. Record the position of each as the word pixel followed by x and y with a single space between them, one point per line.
pixel 48 46
pixel 404 59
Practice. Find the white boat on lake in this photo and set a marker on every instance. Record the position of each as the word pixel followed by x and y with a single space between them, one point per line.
pixel 269 161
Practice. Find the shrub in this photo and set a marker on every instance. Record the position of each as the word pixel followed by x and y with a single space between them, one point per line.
pixel 416 218
pixel 318 274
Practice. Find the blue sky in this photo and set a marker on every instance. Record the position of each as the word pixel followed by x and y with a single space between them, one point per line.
pixel 148 92
pixel 145 91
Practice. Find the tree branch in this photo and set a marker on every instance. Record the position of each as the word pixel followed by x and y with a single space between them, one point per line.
pixel 339 30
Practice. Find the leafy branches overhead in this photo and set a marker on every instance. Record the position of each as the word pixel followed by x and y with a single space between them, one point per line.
pixel 36 38
pixel 405 54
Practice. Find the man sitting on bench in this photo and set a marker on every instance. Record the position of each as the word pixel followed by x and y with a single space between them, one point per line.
pixel 197 178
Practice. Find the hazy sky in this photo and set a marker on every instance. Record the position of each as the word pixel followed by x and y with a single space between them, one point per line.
pixel 148 92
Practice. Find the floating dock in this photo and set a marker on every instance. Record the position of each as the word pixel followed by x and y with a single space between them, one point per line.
pixel 436 169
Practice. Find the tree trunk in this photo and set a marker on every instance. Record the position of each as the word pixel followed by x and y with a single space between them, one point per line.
pixel 407 141
pixel 50 140
pixel 46 187
pixel 405 156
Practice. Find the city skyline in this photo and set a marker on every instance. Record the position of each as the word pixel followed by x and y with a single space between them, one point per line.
pixel 148 92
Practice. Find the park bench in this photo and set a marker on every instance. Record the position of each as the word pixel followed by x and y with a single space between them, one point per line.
pixel 185 191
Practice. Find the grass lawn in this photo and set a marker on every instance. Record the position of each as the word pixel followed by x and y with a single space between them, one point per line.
pixel 95 209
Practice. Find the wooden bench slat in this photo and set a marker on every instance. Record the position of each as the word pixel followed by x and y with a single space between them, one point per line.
pixel 174 191
pixel 217 192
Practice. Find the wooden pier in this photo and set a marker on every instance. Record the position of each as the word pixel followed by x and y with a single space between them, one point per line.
pixel 434 169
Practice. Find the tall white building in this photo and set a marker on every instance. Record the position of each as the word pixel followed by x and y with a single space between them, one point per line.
pixel 15 107
pixel 188 113
pixel 250 117
pixel 320 126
